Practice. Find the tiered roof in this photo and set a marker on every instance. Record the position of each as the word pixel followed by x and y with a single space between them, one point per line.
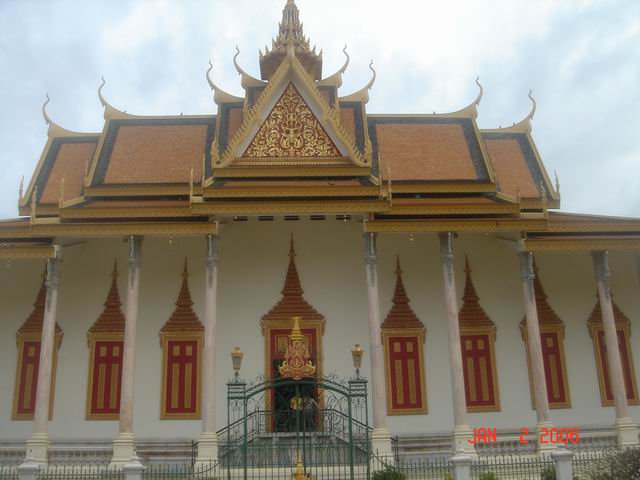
pixel 295 144
pixel 472 315
pixel 32 326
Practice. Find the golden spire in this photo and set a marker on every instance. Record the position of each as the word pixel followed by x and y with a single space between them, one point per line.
pixel 291 40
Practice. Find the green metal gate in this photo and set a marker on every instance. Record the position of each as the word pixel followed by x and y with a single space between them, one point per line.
pixel 278 427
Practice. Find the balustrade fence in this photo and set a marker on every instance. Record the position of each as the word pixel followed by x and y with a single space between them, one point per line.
pixel 503 467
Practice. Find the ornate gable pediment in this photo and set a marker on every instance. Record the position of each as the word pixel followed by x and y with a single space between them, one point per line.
pixel 291 130
pixel 290 125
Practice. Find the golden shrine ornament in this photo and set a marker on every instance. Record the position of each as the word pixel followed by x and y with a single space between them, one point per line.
pixel 296 364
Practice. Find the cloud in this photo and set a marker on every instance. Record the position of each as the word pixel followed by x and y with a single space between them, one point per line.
pixel 580 57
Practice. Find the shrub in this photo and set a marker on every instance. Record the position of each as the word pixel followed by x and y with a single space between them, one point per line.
pixel 548 473
pixel 488 476
pixel 618 465
pixel 389 473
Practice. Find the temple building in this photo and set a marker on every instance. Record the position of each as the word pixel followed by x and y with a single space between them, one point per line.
pixel 294 242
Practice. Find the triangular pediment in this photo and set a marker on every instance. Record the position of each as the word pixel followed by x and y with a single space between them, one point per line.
pixel 291 130
pixel 291 125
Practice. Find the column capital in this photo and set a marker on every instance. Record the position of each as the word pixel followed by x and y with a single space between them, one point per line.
pixel 53 270
pixel 370 249
pixel 527 274
pixel 446 247
pixel 213 242
pixel 601 265
pixel 135 250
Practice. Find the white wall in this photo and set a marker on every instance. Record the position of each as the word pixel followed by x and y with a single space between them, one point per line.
pixel 253 262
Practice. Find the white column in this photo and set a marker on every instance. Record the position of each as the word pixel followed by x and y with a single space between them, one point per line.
pixel 208 444
pixel 124 444
pixel 461 431
pixel 541 399
pixel 38 443
pixel 380 438
pixel 626 428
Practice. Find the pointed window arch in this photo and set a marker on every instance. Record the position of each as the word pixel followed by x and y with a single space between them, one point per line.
pixel 181 339
pixel 477 338
pixel 106 345
pixel 403 336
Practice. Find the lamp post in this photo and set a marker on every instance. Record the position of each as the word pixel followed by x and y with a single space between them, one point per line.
pixel 236 360
pixel 357 353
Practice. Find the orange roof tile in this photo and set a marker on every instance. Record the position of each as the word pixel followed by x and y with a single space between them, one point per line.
pixel 235 120
pixel 513 174
pixel 401 315
pixel 70 163
pixel 157 154
pixel 427 149
pixel 347 118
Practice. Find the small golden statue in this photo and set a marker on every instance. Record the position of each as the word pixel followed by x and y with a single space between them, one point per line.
pixel 296 364
pixel 299 473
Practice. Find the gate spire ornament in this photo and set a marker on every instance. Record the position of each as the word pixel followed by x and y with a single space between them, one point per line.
pixel 296 364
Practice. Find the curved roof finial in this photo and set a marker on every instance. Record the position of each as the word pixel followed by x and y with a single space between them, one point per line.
pixel 109 110
pixel 336 78
pixel 524 125
pixel 480 93
pixel 247 80
pixel 100 97
pixel 220 96
pixel 362 95
pixel 44 110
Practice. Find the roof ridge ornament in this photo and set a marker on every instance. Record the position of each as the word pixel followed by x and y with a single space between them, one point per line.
pixel 109 110
pixel 54 129
pixel 470 110
pixel 247 81
pixel 336 78
pixel 362 95
pixel 220 96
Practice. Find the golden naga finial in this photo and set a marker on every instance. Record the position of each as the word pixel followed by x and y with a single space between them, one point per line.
pixel 470 110
pixel 247 80
pixel 109 110
pixel 555 173
pixel 34 197
pixel 336 78
pixel 524 125
pixel 44 110
pixel 362 95
pixel 220 96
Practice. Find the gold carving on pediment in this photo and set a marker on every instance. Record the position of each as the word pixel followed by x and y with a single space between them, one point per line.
pixel 291 130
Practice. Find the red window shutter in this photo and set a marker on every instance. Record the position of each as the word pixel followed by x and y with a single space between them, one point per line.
pixel 106 377
pixel 405 373
pixel 478 371
pixel 626 365
pixel 181 386
pixel 553 371
pixel 29 363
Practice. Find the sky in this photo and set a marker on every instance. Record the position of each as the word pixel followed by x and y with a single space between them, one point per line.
pixel 581 58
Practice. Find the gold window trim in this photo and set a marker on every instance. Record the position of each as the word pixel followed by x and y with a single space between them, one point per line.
pixel 559 331
pixel 104 337
pixel 594 329
pixel 420 334
pixel 16 390
pixel 490 331
pixel 164 340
